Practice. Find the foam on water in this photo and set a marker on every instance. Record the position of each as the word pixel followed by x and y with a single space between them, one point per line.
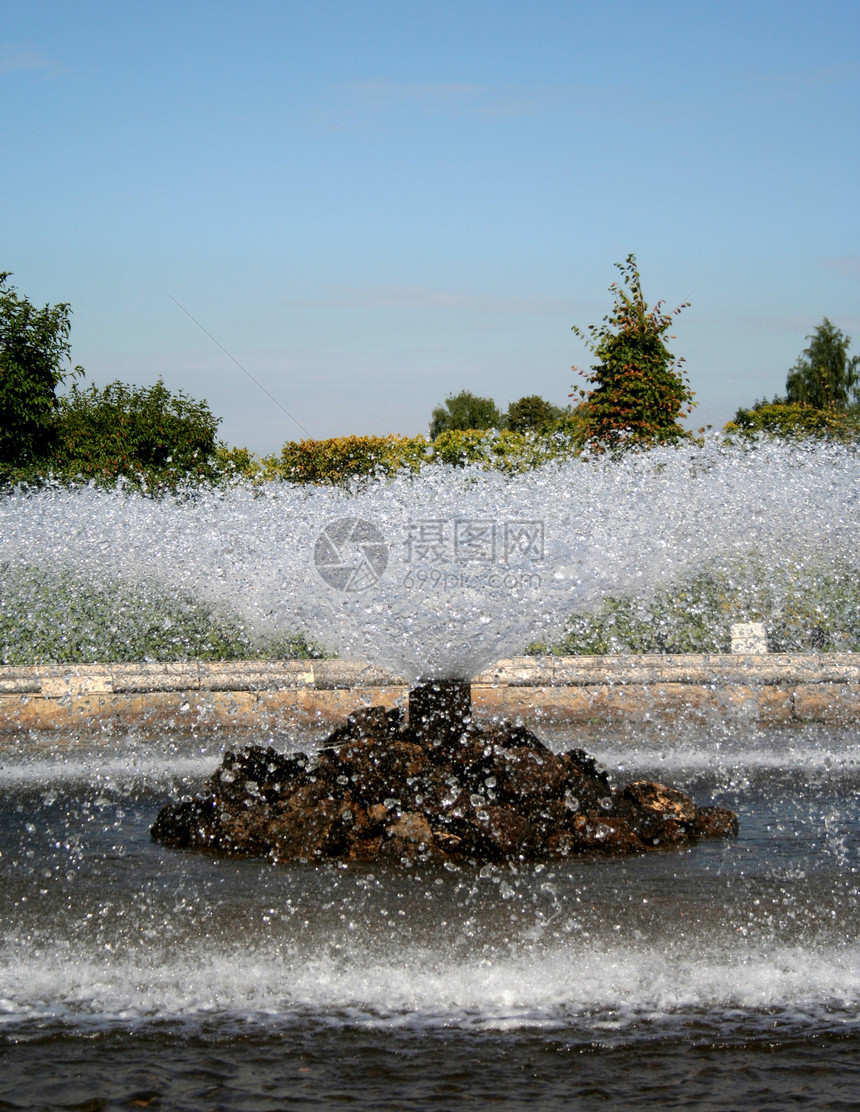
pixel 460 567
pixel 601 984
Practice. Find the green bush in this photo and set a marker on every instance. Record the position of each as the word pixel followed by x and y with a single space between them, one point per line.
pixel 51 617
pixel 347 458
pixel 795 421
pixel 145 434
pixel 34 346
pixel 814 609
pixel 502 450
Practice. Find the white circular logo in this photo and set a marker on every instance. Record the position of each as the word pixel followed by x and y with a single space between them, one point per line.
pixel 351 554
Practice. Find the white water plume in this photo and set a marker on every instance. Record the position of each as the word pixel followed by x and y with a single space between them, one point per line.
pixel 443 573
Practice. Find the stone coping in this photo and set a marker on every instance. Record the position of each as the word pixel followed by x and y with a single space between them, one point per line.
pixel 780 669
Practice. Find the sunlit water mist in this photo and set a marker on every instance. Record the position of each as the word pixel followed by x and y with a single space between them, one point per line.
pixel 443 573
pixel 102 927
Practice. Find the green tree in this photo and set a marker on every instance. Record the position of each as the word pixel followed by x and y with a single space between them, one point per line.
pixel 638 389
pixel 825 376
pixel 464 411
pixel 531 412
pixel 34 348
pixel 144 433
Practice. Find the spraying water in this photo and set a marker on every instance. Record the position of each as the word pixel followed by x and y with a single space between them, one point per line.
pixel 441 574
pixel 146 975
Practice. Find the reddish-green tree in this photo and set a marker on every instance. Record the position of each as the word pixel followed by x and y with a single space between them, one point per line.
pixel 638 389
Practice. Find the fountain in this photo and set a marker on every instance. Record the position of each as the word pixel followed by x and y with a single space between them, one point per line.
pixel 140 974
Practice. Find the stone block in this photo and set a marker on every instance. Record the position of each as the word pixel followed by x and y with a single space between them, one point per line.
pixel 749 638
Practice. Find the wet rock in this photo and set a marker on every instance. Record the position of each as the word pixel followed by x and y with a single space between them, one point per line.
pixel 667 803
pixel 187 825
pixel 596 833
pixel 378 789
pixel 716 822
pixel 527 774
pixel 411 827
pixel 505 833
pixel 309 833
pixel 658 815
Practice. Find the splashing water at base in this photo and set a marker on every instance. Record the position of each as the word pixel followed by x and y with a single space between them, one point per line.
pixel 159 956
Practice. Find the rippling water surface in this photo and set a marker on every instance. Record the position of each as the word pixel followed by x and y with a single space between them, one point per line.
pixel 136 976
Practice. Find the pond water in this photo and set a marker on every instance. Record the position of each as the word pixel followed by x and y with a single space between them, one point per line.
pixel 721 976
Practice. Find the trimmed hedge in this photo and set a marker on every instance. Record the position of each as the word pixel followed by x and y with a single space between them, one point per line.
pixel 815 611
pixel 52 617
pixel 350 459
pixel 796 421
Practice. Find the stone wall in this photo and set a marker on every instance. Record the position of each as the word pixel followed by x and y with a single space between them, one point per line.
pixel 265 695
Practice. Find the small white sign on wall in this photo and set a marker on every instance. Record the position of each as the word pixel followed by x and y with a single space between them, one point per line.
pixel 749 637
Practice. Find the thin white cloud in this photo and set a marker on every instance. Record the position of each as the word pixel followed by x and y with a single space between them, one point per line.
pixel 359 103
pixel 425 297
pixel 846 265
pixel 796 325
pixel 14 60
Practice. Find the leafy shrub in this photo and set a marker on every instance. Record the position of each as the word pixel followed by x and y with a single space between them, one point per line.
pixel 503 450
pixel 60 618
pixel 146 434
pixel 349 458
pixel 34 346
pixel 795 421
pixel 345 458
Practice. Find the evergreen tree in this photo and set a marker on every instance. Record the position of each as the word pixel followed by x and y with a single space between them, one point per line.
pixel 638 390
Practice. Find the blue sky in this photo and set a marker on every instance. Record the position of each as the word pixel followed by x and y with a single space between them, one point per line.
pixel 372 205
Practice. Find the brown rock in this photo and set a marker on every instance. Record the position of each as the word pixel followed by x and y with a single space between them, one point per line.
pixel 668 803
pixel 411 827
pixel 716 822
pixel 376 813
pixel 594 833
pixel 309 833
pixel 363 849
pixel 483 795
pixel 510 835
pixel 375 768
pixel 190 824
pixel 524 774
pixel 254 773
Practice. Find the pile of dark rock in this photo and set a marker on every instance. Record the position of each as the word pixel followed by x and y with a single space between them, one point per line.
pixel 380 789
